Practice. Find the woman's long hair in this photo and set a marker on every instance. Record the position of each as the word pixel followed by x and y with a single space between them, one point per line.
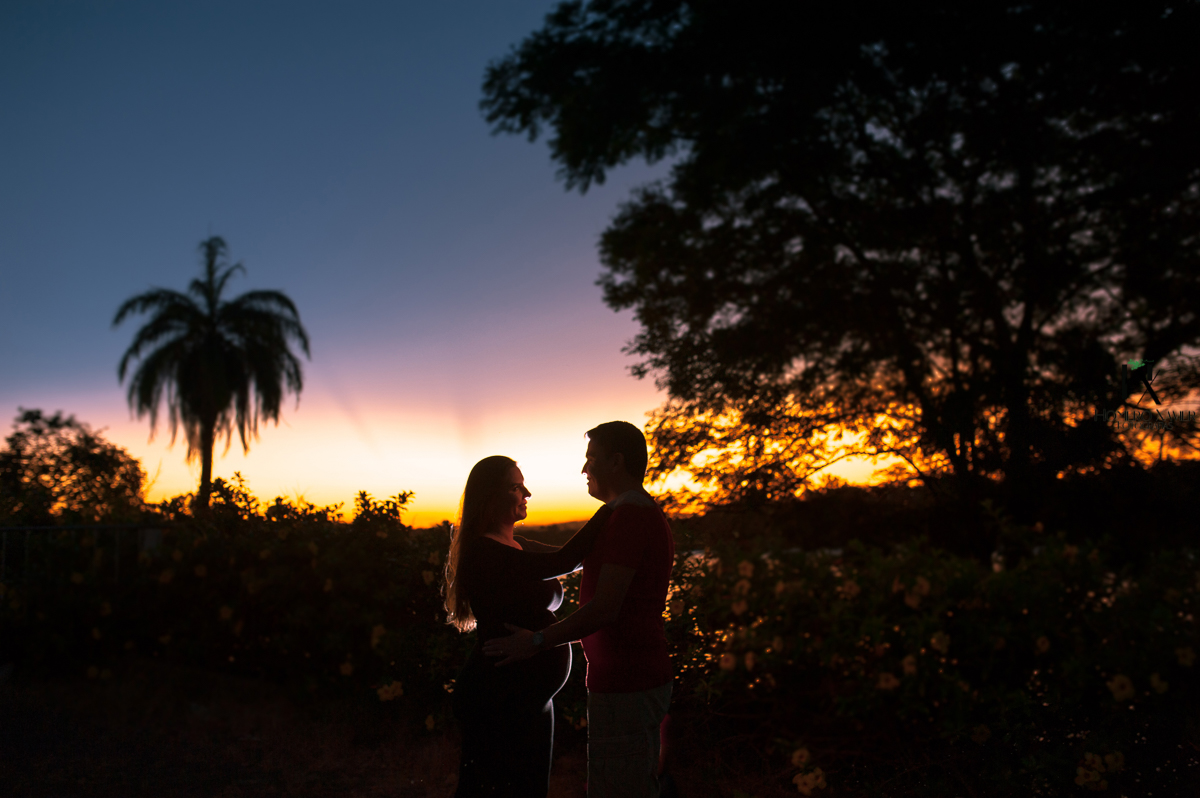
pixel 483 500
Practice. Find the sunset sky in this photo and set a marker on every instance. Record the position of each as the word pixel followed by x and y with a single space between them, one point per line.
pixel 445 277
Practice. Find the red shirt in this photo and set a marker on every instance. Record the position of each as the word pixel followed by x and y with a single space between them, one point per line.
pixel 630 655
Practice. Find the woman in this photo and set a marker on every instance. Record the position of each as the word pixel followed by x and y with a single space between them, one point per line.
pixel 494 577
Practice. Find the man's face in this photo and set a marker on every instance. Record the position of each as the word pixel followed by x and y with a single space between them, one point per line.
pixel 600 470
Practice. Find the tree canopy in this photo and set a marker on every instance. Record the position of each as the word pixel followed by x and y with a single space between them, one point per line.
pixel 942 226
pixel 54 469
pixel 219 365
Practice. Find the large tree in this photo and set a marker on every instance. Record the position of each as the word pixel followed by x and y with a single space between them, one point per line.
pixel 57 469
pixel 940 225
pixel 218 364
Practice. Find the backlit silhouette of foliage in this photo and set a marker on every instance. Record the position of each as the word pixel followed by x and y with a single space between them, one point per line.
pixel 57 469
pixel 219 365
pixel 941 227
pixel 903 671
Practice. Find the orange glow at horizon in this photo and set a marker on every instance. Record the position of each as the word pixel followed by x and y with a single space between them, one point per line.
pixel 321 455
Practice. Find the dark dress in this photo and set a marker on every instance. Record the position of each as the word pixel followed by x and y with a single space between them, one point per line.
pixel 507 713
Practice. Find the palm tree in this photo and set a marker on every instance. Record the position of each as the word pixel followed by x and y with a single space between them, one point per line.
pixel 220 364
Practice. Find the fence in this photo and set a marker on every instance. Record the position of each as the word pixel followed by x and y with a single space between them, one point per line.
pixel 29 553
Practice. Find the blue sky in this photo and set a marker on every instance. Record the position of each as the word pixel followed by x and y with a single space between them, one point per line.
pixel 444 275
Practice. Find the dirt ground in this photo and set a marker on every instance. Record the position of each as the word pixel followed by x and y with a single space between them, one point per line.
pixel 155 730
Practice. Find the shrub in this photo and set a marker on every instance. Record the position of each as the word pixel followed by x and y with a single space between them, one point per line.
pixel 867 670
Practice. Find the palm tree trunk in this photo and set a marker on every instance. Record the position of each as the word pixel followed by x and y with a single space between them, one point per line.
pixel 207 429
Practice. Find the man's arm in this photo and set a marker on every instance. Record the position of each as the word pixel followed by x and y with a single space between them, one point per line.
pixel 601 611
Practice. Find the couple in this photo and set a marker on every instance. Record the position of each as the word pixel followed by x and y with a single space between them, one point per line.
pixel 506 587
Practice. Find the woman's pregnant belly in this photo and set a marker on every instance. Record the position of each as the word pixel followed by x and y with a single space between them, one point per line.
pixel 525 685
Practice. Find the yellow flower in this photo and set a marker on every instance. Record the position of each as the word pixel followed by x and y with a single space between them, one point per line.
pixel 1115 761
pixel 346 668
pixel 328 585
pixel 980 734
pixel 750 659
pixel 940 642
pixel 807 782
pixel 177 555
pixel 728 661
pixel 800 757
pixel 430 722
pixel 166 576
pixel 742 587
pixel 390 691
pixel 887 681
pixel 201 571
pixel 1159 686
pixel 849 589
pixel 427 576
pixel 677 606
pixel 1121 687
pixel 1186 656
pixel 77 578
pixel 1042 645
pixel 746 568
pixel 105 609
pixel 377 634
pixel 226 613
pixel 435 558
pixel 740 606
pixel 909 664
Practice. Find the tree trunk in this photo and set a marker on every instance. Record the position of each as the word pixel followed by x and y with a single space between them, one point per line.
pixel 206 459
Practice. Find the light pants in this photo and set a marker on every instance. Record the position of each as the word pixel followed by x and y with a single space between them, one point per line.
pixel 623 742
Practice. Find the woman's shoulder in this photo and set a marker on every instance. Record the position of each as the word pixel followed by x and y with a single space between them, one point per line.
pixel 528 544
pixel 499 544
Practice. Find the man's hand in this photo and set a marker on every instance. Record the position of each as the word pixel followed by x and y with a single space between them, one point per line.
pixel 516 647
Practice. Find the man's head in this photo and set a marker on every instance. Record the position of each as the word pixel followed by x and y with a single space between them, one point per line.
pixel 616 459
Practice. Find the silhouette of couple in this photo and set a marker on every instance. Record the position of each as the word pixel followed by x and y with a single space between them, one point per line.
pixel 506 588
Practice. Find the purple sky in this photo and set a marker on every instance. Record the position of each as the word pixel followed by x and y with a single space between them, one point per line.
pixel 445 277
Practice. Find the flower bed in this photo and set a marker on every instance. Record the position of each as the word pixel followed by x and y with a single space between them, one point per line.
pixel 865 671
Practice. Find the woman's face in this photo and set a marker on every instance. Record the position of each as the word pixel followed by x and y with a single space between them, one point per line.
pixel 517 494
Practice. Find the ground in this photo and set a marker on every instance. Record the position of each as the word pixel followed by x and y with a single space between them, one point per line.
pixel 156 730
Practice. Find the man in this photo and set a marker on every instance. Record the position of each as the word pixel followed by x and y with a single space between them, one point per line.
pixel 622 597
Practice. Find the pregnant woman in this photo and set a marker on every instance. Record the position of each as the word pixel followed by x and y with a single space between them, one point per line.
pixel 494 577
